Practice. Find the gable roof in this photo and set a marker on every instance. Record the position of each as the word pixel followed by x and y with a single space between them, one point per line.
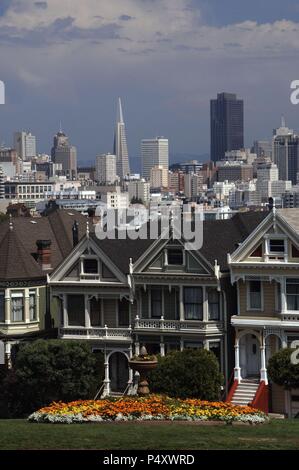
pixel 18 246
pixel 219 238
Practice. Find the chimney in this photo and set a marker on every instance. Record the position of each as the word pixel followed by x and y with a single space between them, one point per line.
pixel 75 231
pixel 44 253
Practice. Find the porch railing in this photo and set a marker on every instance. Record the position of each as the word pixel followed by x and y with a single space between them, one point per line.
pixel 174 325
pixel 90 333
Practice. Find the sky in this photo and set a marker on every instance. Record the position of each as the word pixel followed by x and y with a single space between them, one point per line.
pixel 69 61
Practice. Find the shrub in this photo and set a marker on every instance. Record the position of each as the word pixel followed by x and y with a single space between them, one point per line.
pixel 281 370
pixel 188 374
pixel 50 370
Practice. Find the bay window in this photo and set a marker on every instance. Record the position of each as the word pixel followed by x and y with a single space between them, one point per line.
pixel 156 302
pixel 32 306
pixel 17 307
pixel 214 304
pixel 292 294
pixel 255 295
pixel 193 303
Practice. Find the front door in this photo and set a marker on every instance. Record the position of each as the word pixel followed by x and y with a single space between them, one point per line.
pixel 118 372
pixel 253 356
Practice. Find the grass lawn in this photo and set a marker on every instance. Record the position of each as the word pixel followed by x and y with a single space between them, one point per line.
pixel 19 434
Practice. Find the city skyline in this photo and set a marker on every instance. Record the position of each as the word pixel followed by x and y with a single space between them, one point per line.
pixel 72 65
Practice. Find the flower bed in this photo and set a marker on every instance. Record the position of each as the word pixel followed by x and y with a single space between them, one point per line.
pixel 153 407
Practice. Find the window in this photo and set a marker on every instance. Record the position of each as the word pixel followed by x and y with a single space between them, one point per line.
pixel 276 245
pixel 215 347
pixel 32 306
pixel 292 291
pixel 76 310
pixel 90 266
pixel 193 303
pixel 2 308
pixel 156 303
pixel 17 307
pixel 123 313
pixel 95 312
pixel 214 304
pixel 255 295
pixel 295 252
pixel 175 257
pixel 278 297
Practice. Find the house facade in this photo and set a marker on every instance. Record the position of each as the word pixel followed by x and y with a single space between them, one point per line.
pixel 265 271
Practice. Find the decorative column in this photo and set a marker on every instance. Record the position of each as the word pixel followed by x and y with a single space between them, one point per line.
pixel 264 376
pixel 205 306
pixel 237 369
pixel 107 378
pixel 26 306
pixel 162 346
pixel 37 304
pixel 181 344
pixel 65 315
pixel 181 299
pixel 86 311
pixel 137 347
pixel 7 306
pixel 8 355
pixel 206 344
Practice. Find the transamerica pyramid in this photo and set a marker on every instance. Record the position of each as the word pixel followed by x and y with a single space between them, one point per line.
pixel 120 145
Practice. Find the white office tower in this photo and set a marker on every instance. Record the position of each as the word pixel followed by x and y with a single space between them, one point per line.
pixel 139 190
pixel 2 187
pixel 25 145
pixel 106 168
pixel 120 148
pixel 268 183
pixel 154 152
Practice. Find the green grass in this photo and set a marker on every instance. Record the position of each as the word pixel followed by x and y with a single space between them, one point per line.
pixel 19 434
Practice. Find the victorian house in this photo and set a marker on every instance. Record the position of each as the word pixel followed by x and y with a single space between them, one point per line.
pixel 265 271
pixel 121 293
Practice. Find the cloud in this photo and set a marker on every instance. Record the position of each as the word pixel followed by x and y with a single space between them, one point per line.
pixel 42 5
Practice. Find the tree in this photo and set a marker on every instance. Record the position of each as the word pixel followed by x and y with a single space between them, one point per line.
pixel 281 370
pixel 192 373
pixel 136 200
pixel 51 370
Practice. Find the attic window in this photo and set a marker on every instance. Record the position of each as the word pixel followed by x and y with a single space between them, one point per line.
pixel 175 257
pixel 90 266
pixel 276 245
pixel 258 252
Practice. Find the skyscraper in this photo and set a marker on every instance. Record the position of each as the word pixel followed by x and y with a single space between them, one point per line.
pixel 106 168
pixel 154 152
pixel 286 152
pixel 120 148
pixel 64 153
pixel 25 145
pixel 227 125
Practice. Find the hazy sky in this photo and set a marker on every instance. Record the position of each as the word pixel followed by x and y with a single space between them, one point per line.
pixel 69 60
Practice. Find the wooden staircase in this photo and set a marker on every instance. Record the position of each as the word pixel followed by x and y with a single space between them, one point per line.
pixel 245 392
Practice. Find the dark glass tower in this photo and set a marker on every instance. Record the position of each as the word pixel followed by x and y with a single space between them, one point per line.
pixel 227 125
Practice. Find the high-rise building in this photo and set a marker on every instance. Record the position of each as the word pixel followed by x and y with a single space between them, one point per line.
pixel 106 168
pixel 2 187
pixel 227 125
pixel 25 145
pixel 120 148
pixel 154 152
pixel 262 148
pixel 159 177
pixel 139 190
pixel 285 152
pixel 65 154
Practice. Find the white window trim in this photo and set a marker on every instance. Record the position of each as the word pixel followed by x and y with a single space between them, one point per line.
pixel 249 308
pixel 92 275
pixel 286 311
pixel 268 253
pixel 166 257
